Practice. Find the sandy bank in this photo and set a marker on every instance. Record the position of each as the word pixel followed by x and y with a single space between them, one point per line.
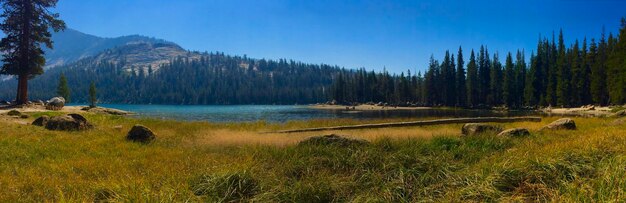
pixel 363 107
pixel 591 111
pixel 66 109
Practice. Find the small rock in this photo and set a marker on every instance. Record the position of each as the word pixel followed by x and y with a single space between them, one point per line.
pixel 117 127
pixel 332 139
pixel 515 132
pixel 470 129
pixel 41 121
pixel 140 133
pixel 561 124
pixel 14 113
pixel 24 116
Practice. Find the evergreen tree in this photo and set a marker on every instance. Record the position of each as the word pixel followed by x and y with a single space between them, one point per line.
pixel 432 90
pixel 484 75
pixel 495 96
pixel 552 71
pixel 520 78
pixel 594 84
pixel 461 90
pixel 598 74
pixel 447 77
pixel 63 90
pixel 576 70
pixel 617 68
pixel 509 81
pixel 584 84
pixel 531 88
pixel 27 25
pixel 563 75
pixel 92 95
pixel 472 81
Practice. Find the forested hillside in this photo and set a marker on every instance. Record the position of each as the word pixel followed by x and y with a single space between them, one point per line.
pixel 204 78
pixel 586 72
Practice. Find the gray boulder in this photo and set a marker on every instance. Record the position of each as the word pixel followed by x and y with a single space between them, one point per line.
pixel 515 132
pixel 140 133
pixel 561 124
pixel 41 121
pixel 70 122
pixel 56 103
pixel 470 129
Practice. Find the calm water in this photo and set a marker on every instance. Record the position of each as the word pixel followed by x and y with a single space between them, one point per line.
pixel 278 113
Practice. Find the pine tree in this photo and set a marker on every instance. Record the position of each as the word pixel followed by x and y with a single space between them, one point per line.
pixel 552 71
pixel 563 75
pixel 484 75
pixel 520 78
pixel 447 77
pixel 617 67
pixel 576 70
pixel 92 95
pixel 27 25
pixel 598 74
pixel 591 65
pixel 461 90
pixel 531 87
pixel 432 89
pixel 585 75
pixel 495 86
pixel 509 81
pixel 63 90
pixel 472 81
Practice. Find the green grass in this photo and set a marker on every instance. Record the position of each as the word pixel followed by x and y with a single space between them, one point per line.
pixel 196 162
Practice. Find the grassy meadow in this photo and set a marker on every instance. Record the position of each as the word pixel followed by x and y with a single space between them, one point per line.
pixel 225 162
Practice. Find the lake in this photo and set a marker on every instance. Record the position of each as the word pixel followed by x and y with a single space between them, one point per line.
pixel 282 113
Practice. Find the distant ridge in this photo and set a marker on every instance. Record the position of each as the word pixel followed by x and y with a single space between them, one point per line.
pixel 72 45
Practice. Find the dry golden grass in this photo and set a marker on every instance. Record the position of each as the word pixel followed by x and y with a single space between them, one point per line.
pixel 402 164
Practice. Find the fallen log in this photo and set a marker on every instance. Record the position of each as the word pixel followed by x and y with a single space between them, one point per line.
pixel 419 123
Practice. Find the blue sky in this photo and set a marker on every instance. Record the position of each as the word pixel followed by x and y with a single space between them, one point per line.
pixel 398 35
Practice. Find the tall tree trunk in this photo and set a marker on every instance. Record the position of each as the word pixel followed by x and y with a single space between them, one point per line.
pixel 22 89
pixel 17 93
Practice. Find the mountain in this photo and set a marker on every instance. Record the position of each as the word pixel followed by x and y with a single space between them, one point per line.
pixel 71 45
pixel 142 70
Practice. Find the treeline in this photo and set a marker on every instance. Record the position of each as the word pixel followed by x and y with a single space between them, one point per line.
pixel 587 72
pixel 214 78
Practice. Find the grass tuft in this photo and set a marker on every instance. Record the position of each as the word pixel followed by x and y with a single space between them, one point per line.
pixel 226 187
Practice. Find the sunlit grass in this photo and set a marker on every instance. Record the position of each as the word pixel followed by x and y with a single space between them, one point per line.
pixel 198 161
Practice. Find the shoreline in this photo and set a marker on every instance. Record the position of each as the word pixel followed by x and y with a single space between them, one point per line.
pixel 364 107
pixel 65 109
